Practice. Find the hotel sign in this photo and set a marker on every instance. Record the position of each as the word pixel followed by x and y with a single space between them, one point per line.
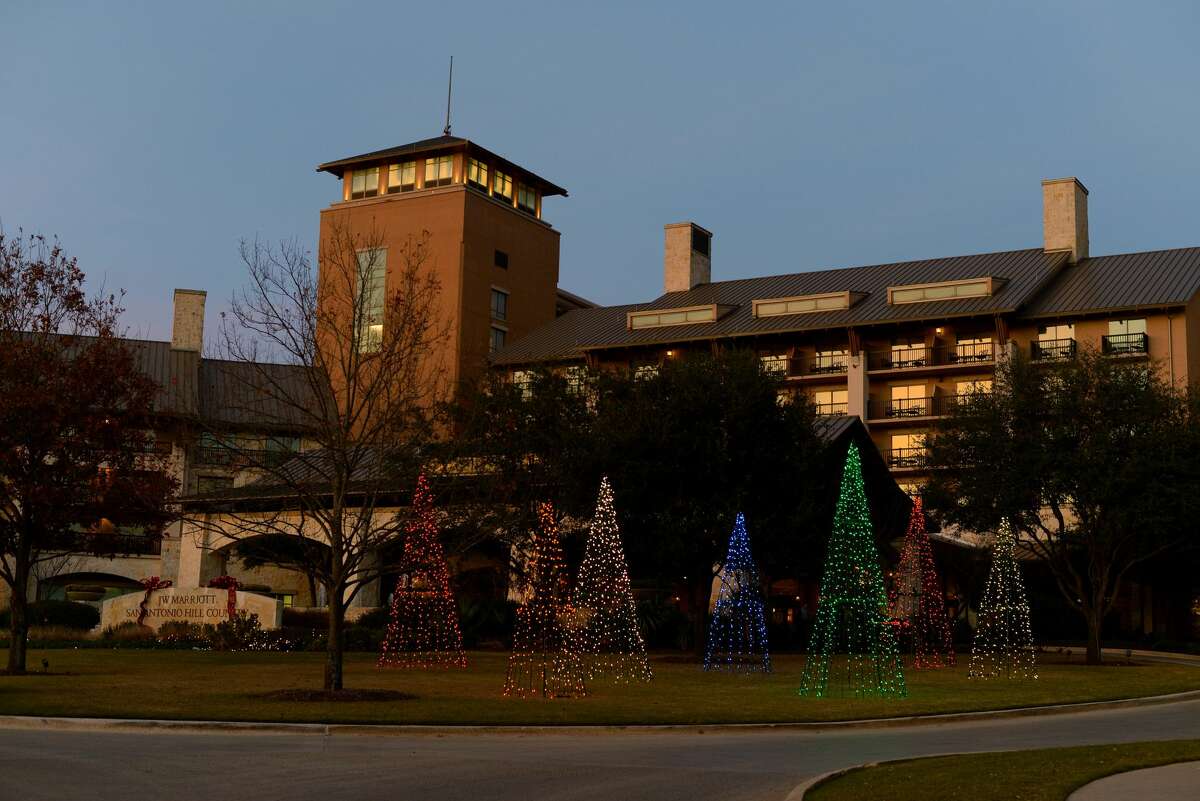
pixel 199 605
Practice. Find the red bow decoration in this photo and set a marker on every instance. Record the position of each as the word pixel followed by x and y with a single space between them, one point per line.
pixel 231 584
pixel 151 584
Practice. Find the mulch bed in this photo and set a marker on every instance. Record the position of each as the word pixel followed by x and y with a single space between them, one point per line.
pixel 337 695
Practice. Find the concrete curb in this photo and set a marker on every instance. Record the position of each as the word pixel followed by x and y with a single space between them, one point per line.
pixel 330 729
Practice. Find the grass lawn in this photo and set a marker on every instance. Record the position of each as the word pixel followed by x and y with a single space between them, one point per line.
pixel 230 686
pixel 1046 775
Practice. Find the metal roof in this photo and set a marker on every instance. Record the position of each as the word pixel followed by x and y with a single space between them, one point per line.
pixel 339 166
pixel 1023 273
pixel 260 395
pixel 1155 278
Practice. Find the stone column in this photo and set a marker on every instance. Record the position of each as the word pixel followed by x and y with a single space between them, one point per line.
pixel 368 595
pixel 189 555
pixel 857 385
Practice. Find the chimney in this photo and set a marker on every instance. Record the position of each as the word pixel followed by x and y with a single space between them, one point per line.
pixel 187 330
pixel 687 256
pixel 1064 217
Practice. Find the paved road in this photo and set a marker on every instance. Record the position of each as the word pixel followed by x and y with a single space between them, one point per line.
pixel 37 765
pixel 1168 783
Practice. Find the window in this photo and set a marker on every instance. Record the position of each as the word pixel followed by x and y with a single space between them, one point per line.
pixel 364 183
pixel 372 278
pixel 1119 327
pixel 829 361
pixel 498 337
pixel 1049 333
pixel 908 400
pixel 523 381
pixel 439 171
pixel 972 349
pixel 944 290
pixel 909 488
pixel 206 484
pixel 658 319
pixel 977 386
pixel 576 376
pixel 831 401
pixel 643 372
pixel 908 450
pixel 908 352
pixel 1126 337
pixel 501 260
pixel 402 177
pixel 803 304
pixel 774 363
pixel 1054 342
pixel 502 186
pixel 499 304
pixel 527 198
pixel 477 174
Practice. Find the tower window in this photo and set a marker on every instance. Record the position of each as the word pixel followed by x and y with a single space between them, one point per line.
pixel 499 304
pixel 439 171
pixel 498 337
pixel 502 186
pixel 372 282
pixel 364 183
pixel 527 198
pixel 501 259
pixel 477 174
pixel 402 177
pixel 701 241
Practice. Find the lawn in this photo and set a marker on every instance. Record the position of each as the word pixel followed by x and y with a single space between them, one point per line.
pixel 1046 775
pixel 229 686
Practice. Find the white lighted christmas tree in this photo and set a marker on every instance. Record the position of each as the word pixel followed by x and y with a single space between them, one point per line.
pixel 603 628
pixel 1003 646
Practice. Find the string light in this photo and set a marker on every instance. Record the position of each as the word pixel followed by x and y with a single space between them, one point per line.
pixel 539 663
pixel 737 632
pixel 852 606
pixel 423 629
pixel 1003 646
pixel 917 606
pixel 603 627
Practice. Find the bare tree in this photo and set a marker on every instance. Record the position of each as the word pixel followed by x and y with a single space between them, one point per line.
pixel 349 354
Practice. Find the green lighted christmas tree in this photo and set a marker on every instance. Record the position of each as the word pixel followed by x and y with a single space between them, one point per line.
pixel 1003 646
pixel 540 663
pixel 603 628
pixel 852 609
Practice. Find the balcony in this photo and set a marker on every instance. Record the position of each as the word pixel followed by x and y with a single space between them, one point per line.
pixel 971 353
pixel 821 364
pixel 904 408
pixel 832 409
pixel 943 356
pixel 1125 344
pixel 1052 350
pixel 906 458
pixel 900 358
pixel 230 457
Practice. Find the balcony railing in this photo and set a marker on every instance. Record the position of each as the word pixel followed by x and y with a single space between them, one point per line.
pixel 1125 344
pixel 831 409
pixel 821 364
pixel 906 457
pixel 926 356
pixel 909 407
pixel 899 358
pixel 1052 350
pixel 971 352
pixel 229 457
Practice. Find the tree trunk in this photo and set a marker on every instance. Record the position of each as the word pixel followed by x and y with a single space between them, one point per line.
pixel 19 622
pixel 1094 619
pixel 335 648
pixel 700 597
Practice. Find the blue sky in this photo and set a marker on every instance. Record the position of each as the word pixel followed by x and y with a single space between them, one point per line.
pixel 151 137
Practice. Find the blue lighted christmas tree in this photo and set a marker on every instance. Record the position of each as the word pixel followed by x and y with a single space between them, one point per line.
pixel 737 632
pixel 852 609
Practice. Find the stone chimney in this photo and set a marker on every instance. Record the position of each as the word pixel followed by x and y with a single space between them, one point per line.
pixel 687 256
pixel 187 331
pixel 1064 217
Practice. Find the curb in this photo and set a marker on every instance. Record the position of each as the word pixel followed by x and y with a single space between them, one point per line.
pixel 329 729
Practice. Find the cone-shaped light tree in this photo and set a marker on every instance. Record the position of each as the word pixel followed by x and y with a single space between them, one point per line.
pixel 737 631
pixel 540 663
pixel 603 627
pixel 423 630
pixel 917 607
pixel 1003 646
pixel 852 609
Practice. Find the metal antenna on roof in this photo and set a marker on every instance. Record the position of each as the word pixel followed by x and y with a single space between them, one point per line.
pixel 449 88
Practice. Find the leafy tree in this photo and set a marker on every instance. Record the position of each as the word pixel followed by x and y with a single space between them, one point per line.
pixel 1095 460
pixel 74 413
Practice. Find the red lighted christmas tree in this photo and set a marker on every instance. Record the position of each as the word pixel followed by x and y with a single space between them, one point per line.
pixel 604 627
pixel 540 663
pixel 917 606
pixel 423 631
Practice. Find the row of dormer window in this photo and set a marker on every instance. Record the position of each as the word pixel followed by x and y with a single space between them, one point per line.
pixel 439 171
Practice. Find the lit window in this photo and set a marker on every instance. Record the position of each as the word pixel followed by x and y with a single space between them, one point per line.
pixel 499 304
pixel 978 386
pixel 576 376
pixel 643 372
pixel 1126 337
pixel 908 352
pixel 1054 342
pixel 908 450
pixel 775 363
pixel 657 319
pixel 908 400
pixel 439 171
pixel 372 283
pixel 804 304
pixel 364 183
pixel 831 401
pixel 523 381
pixel 477 174
pixel 498 337
pixel 829 361
pixel 527 198
pixel 502 186
pixel 945 290
pixel 972 349
pixel 402 177
pixel 1121 327
pixel 1049 333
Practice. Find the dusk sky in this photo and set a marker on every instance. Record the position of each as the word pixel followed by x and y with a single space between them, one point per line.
pixel 151 138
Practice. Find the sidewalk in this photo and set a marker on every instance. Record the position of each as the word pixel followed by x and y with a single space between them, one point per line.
pixel 1179 782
